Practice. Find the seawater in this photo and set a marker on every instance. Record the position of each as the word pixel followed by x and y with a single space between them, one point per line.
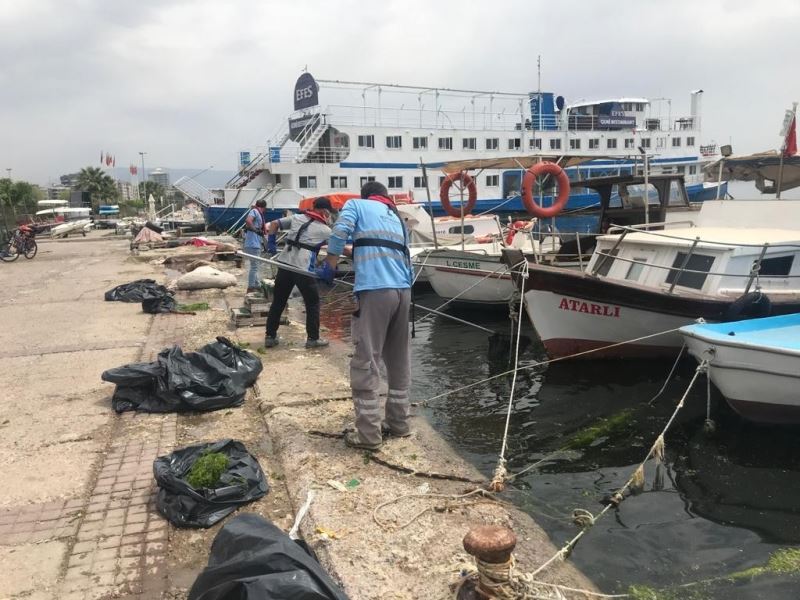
pixel 718 505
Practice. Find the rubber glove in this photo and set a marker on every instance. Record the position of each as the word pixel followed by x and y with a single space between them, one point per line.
pixel 272 244
pixel 325 273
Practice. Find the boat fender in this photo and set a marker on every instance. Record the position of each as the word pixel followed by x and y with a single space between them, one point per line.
pixel 753 305
pixel 512 231
pixel 472 193
pixel 545 168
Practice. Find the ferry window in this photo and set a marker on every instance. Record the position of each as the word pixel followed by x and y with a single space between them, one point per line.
pixel 419 182
pixel 611 143
pixel 535 143
pixel 661 142
pixel 395 182
pixel 364 180
pixel 680 169
pixel 775 267
pixel 308 182
pixel 394 141
pixel 420 143
pixel 645 142
pixel 338 182
pixel 666 170
pixel 676 142
pixel 594 144
pixel 574 144
pixel 635 268
pixel 630 143
pixel 697 262
pixel 278 178
pixel 692 169
pixel 446 143
pixel 492 180
pixel 555 144
pixel 639 107
pixel 690 141
pixel 366 141
pixel 492 143
pixel 514 143
pixel 469 143
pixel 605 265
pixel 457 230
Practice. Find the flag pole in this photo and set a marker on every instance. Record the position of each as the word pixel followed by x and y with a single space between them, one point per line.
pixel 783 151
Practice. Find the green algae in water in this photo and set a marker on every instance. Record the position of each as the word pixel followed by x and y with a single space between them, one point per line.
pixel 603 428
pixel 782 561
pixel 207 470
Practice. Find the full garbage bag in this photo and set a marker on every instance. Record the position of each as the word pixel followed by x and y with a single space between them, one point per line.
pixel 214 377
pixel 184 506
pixel 251 559
pixel 164 304
pixel 137 291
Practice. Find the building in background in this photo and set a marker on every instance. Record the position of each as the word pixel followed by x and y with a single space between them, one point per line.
pixel 57 192
pixel 127 191
pixel 70 180
pixel 159 176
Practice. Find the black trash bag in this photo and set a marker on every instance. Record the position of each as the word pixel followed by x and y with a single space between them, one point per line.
pixel 164 304
pixel 251 559
pixel 214 377
pixel 137 291
pixel 184 506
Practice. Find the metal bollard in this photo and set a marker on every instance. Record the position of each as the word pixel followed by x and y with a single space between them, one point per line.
pixel 491 545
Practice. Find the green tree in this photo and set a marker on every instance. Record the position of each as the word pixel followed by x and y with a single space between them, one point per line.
pixel 19 195
pixel 151 187
pixel 101 187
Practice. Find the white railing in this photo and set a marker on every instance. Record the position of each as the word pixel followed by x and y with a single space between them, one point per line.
pixel 195 190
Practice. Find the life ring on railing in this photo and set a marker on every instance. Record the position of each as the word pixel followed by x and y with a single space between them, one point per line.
pixel 753 305
pixel 513 229
pixel 472 193
pixel 545 168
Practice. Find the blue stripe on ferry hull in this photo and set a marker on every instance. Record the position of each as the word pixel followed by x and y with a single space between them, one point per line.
pixel 220 218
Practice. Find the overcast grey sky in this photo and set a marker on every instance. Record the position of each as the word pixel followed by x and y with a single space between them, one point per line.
pixel 191 82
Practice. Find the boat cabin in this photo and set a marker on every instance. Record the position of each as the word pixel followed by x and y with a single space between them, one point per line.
pixel 731 248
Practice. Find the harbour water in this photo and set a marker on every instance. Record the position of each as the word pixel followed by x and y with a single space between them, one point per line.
pixel 718 505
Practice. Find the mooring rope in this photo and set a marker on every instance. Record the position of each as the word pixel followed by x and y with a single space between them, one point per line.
pixel 500 472
pixel 656 450
pixel 547 362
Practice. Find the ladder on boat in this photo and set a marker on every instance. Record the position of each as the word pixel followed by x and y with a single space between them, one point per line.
pixel 195 190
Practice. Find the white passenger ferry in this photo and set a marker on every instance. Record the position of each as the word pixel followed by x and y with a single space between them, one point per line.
pixel 385 132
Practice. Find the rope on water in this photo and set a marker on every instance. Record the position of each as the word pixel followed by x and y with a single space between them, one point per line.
pixel 635 482
pixel 498 480
pixel 547 362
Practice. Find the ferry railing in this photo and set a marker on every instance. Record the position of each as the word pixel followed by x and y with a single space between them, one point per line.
pixel 633 229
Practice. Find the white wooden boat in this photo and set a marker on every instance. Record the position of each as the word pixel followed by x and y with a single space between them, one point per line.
pixel 65 229
pixel 639 283
pixel 755 364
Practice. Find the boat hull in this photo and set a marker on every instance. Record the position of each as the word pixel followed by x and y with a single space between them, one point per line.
pixel 574 312
pixel 759 383
pixel 451 272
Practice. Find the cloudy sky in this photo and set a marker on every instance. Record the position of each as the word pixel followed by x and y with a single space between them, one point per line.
pixel 191 82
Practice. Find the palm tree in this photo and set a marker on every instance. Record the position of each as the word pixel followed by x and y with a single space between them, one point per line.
pixel 99 185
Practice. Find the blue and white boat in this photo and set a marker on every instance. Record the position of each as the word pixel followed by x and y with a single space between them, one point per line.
pixel 755 364
pixel 385 132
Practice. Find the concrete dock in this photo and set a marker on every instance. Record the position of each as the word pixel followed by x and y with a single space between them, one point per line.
pixel 77 514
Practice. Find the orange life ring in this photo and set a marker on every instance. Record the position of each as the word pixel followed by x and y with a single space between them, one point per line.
pixel 530 176
pixel 472 193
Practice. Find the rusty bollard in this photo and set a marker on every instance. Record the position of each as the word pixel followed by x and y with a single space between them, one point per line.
pixel 491 545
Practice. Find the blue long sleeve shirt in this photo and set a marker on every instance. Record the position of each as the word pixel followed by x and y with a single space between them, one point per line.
pixel 376 267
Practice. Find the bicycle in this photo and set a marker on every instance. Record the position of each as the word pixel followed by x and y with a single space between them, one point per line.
pixel 22 242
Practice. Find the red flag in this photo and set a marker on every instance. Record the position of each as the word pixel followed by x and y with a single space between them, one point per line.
pixel 790 143
pixel 133 170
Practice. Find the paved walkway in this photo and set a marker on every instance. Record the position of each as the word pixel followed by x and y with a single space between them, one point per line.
pixel 76 517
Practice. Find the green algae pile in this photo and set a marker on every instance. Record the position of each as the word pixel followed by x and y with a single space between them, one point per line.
pixel 207 470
